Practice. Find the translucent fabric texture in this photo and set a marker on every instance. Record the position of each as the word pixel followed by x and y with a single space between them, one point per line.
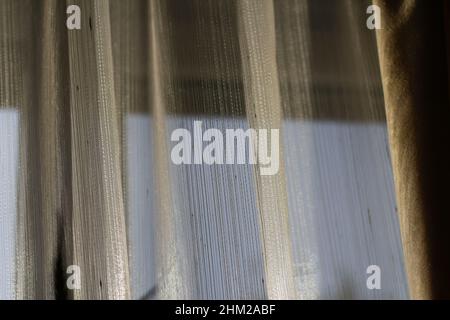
pixel 86 175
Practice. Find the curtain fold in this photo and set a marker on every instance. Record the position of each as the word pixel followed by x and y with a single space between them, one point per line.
pixel 264 110
pixel 414 62
pixel 98 206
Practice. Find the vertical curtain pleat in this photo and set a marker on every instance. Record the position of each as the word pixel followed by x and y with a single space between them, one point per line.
pixel 12 34
pixel 264 111
pixel 41 95
pixel 100 247
pixel 171 272
pixel 414 65
pixel 209 246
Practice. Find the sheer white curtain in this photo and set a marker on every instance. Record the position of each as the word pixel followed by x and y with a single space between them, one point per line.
pixel 94 111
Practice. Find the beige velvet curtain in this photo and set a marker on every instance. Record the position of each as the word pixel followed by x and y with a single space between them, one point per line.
pixel 413 49
pixel 236 59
